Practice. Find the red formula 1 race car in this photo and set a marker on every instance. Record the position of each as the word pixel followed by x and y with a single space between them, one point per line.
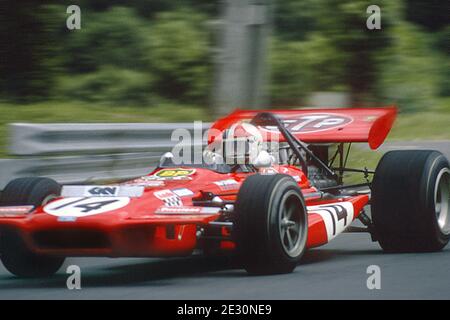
pixel 270 186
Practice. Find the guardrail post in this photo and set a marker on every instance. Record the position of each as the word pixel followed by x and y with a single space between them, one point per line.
pixel 240 63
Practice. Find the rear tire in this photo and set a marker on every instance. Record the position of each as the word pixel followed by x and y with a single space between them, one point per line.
pixel 270 225
pixel 410 201
pixel 15 255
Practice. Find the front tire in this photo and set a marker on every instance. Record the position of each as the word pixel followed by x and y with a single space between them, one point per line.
pixel 411 201
pixel 270 225
pixel 29 191
pixel 15 255
pixel 20 261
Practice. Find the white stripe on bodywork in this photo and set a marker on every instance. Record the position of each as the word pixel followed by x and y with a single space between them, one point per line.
pixel 329 214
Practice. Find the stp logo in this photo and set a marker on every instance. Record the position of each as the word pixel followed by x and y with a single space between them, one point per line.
pixel 313 123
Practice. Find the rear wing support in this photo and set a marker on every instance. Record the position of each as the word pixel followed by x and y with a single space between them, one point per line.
pixel 269 119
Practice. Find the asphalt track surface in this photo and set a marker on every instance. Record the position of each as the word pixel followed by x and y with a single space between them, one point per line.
pixel 335 271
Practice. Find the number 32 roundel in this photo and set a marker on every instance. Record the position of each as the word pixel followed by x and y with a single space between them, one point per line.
pixel 82 207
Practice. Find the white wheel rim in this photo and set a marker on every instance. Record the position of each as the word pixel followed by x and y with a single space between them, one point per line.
pixel 442 200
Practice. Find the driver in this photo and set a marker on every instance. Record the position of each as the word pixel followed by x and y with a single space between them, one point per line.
pixel 241 144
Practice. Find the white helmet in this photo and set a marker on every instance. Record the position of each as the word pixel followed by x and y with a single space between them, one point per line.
pixel 241 143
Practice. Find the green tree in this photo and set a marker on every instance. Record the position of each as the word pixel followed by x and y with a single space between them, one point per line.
pixel 109 85
pixel 27 50
pixel 431 14
pixel 180 56
pixel 116 37
pixel 291 75
pixel 443 45
pixel 294 19
pixel 410 73
pixel 344 23
pixel 150 8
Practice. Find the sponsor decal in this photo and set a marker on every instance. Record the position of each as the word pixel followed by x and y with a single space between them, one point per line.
pixel 314 122
pixel 174 173
pixel 101 191
pixel 170 199
pixel 156 178
pixel 229 184
pixel 183 192
pixel 162 216
pixel 85 206
pixel 336 216
pixel 67 219
pixel 187 210
pixel 178 210
pixel 268 171
pixel 146 182
pixel 12 211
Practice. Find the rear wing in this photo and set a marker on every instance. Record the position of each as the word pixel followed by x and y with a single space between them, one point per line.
pixel 370 125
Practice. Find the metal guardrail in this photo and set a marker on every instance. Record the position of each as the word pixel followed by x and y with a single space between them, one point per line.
pixel 92 138
pixel 79 153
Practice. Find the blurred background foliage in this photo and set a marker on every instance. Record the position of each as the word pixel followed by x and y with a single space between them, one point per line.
pixel 148 53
